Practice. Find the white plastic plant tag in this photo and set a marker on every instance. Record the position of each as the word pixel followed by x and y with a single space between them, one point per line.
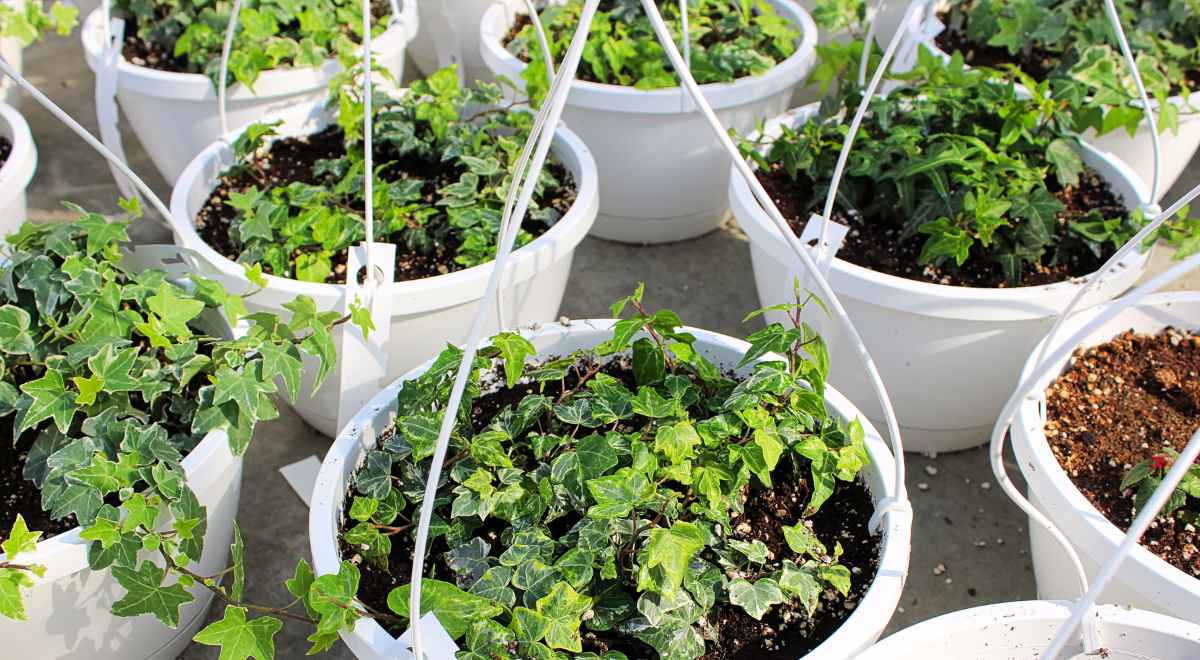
pixel 436 643
pixel 835 234
pixel 302 476
pixel 362 361
pixel 106 105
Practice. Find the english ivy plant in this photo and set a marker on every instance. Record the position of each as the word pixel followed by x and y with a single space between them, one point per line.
pixel 31 19
pixel 442 172
pixel 957 158
pixel 114 376
pixel 1071 44
pixel 271 34
pixel 605 496
pixel 729 40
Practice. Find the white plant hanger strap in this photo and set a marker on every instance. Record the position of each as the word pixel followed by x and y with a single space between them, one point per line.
pixel 115 161
pixel 1054 354
pixel 510 200
pixel 226 49
pixel 549 116
pixel 868 40
pixel 896 505
pixel 1140 524
pixel 543 38
pixel 1115 19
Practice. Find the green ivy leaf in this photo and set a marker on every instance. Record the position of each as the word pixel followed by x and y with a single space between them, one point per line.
pixel 803 583
pixel 677 442
pixel 147 594
pixel 240 638
pixel 20 540
pixel 670 550
pixel 455 609
pixel 757 597
pixel 50 400
pixel 563 610
pixel 514 349
pixel 15 337
pixel 174 311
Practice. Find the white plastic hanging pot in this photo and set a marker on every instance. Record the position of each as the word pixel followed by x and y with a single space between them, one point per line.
pixel 1137 151
pixel 662 174
pixel 1021 631
pixel 450 33
pixel 1144 581
pixel 950 355
pixel 70 609
pixel 175 115
pixel 426 313
pixel 369 641
pixel 17 170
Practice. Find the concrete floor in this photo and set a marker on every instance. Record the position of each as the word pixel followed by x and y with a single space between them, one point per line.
pixel 962 524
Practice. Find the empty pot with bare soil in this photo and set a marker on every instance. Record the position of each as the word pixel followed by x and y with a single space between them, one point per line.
pixel 1098 440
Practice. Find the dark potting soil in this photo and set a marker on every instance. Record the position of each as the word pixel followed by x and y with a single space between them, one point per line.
pixel 1118 404
pixel 1038 63
pixel 875 245
pixel 17 494
pixel 162 58
pixel 294 159
pixel 5 150
pixel 784 633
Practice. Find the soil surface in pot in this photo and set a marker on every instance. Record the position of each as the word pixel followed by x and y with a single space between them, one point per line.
pixel 295 159
pixel 1037 62
pixel 783 634
pixel 1118 404
pixel 6 148
pixel 18 495
pixel 161 57
pixel 875 245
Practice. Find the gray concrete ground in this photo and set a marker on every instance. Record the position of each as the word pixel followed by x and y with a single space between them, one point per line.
pixel 961 524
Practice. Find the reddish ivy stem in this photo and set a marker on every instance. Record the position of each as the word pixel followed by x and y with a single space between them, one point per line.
pixel 592 371
pixel 662 346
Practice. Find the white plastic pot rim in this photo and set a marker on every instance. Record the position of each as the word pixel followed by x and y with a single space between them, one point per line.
pixel 417 296
pixel 1013 304
pixel 66 553
pixel 867 622
pixel 1044 469
pixel 22 161
pixel 995 623
pixel 675 100
pixel 198 87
